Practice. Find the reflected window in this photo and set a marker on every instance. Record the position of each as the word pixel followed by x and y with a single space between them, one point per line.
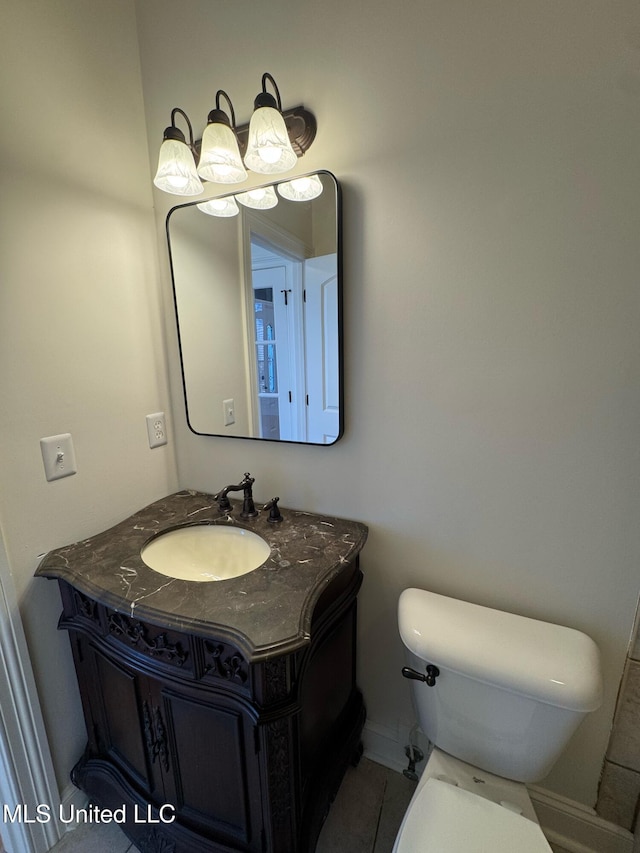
pixel 266 366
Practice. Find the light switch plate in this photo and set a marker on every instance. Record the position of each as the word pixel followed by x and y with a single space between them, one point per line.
pixel 58 456
pixel 228 413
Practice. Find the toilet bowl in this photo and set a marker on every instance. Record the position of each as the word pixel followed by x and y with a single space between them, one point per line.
pixel 498 696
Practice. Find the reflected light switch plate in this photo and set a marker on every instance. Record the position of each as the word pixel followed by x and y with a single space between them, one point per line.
pixel 58 456
pixel 228 414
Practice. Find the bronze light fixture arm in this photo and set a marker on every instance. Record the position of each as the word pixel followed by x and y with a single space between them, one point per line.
pixel 264 99
pixel 219 115
pixel 174 132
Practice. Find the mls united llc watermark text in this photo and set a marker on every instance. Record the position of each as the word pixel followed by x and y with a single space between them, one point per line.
pixel 44 813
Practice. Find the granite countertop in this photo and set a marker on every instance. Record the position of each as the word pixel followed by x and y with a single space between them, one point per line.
pixel 265 612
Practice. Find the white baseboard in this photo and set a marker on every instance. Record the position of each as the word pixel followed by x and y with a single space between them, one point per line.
pixel 387 746
pixel 577 828
pixel 384 746
pixel 71 800
pixel 567 824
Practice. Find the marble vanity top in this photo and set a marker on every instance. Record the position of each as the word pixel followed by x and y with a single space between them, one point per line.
pixel 265 612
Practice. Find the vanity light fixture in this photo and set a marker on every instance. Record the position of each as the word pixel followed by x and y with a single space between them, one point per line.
pixel 262 198
pixel 220 206
pixel 220 160
pixel 270 144
pixel 176 172
pixel 301 189
pixel 269 150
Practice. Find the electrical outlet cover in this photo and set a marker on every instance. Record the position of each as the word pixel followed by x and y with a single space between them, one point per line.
pixel 156 429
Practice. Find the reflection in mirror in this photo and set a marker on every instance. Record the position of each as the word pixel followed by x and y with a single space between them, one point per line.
pixel 258 304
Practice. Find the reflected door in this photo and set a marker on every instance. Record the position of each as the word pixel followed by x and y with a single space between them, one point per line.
pixel 322 347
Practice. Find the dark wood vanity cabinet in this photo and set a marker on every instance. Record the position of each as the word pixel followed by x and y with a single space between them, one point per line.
pixel 202 748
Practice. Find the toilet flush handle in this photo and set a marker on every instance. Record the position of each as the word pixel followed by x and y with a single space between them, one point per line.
pixel 430 678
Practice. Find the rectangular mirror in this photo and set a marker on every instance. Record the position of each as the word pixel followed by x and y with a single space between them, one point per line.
pixel 258 298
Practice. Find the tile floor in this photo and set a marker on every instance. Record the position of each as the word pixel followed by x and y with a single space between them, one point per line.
pixel 364 818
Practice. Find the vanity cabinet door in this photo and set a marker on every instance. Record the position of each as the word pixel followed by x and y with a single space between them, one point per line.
pixel 178 744
pixel 213 778
pixel 122 719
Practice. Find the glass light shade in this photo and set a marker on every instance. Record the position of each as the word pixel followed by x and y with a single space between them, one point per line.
pixel 301 189
pixel 177 169
pixel 261 198
pixel 220 160
pixel 220 206
pixel 269 150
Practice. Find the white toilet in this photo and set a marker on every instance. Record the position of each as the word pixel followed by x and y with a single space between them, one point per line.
pixel 501 696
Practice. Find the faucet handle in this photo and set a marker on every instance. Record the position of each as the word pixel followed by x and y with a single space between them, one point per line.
pixel 248 507
pixel 275 516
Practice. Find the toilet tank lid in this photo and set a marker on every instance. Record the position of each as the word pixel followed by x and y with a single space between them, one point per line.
pixel 550 663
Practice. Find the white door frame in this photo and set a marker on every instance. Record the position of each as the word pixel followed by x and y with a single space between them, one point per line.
pixel 26 770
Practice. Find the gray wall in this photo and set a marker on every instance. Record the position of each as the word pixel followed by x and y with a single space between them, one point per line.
pixel 81 340
pixel 488 153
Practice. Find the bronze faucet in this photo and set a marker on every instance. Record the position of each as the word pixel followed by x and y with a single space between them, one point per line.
pixel 246 486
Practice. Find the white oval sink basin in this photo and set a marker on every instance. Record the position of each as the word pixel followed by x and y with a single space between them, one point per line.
pixel 205 553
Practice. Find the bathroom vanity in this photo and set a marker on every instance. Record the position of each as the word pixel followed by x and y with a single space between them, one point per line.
pixel 220 715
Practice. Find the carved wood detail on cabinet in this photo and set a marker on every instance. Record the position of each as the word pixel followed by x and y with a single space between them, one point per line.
pixel 223 661
pixel 247 753
pixel 152 841
pixel 154 643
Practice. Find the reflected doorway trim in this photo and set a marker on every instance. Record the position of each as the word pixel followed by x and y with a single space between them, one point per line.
pixel 26 769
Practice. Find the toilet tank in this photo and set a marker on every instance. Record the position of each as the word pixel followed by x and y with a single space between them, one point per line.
pixel 511 690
